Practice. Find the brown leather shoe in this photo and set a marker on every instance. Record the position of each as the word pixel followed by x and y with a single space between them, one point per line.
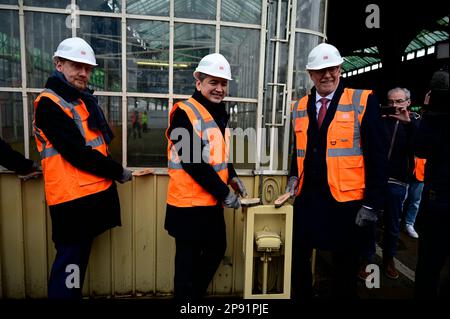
pixel 362 273
pixel 389 268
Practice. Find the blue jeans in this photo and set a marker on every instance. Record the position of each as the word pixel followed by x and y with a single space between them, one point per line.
pixel 68 269
pixel 414 195
pixel 392 215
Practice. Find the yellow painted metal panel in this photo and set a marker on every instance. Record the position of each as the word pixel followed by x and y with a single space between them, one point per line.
pixel 145 232
pixel 35 238
pixel 11 230
pixel 122 243
pixel 100 263
pixel 165 244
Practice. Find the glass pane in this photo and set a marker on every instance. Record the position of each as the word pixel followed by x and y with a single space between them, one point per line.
pixel 11 120
pixel 147 124
pixel 248 11
pixel 148 56
pixel 150 7
pixel 192 43
pixel 8 2
pixel 100 5
pixel 103 34
pixel 47 3
pixel 241 48
pixel 310 14
pixel 195 9
pixel 242 124
pixel 10 69
pixel 43 33
pixel 112 107
pixel 304 43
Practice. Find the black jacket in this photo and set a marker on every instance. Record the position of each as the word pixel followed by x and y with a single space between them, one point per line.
pixel 14 160
pixel 401 161
pixel 188 222
pixel 90 215
pixel 374 146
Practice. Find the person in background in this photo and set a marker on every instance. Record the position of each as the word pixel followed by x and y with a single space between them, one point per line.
pixel 432 144
pixel 72 137
pixel 199 175
pixel 337 173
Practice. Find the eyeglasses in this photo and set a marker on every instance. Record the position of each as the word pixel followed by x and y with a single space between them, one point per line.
pixel 399 101
pixel 332 69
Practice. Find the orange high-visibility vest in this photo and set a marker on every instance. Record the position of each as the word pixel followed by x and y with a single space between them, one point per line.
pixel 64 182
pixel 344 156
pixel 183 190
pixel 419 168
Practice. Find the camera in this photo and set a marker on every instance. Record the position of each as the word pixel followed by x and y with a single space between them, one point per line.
pixel 388 110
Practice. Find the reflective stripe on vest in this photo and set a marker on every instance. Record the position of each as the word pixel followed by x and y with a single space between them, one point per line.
pixel 344 156
pixel 419 168
pixel 64 182
pixel 183 191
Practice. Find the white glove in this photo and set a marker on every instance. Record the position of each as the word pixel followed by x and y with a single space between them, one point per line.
pixel 238 186
pixel 232 201
pixel 292 186
pixel 127 175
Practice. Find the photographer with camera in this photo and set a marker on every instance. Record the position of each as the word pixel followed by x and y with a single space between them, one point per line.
pixel 399 128
pixel 431 143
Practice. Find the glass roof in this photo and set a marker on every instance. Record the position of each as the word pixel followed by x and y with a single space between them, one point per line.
pixel 426 38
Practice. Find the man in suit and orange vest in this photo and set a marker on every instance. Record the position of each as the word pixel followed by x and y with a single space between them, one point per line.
pixel 72 137
pixel 337 173
pixel 199 175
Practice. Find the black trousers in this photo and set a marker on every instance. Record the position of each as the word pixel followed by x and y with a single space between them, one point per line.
pixel 433 227
pixel 196 262
pixel 323 223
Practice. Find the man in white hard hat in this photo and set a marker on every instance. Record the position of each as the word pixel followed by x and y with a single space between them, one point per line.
pixel 337 173
pixel 72 137
pixel 199 175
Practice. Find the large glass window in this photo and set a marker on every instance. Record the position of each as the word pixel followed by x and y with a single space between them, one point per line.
pixel 241 48
pixel 104 35
pixel 148 56
pixel 195 9
pixel 112 108
pixel 301 82
pixel 10 69
pixel 43 33
pixel 46 3
pixel 11 120
pixel 242 124
pixel 150 7
pixel 192 42
pixel 147 123
pixel 310 14
pixel 100 5
pixel 248 11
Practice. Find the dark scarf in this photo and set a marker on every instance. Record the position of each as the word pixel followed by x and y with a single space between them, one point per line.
pixel 217 110
pixel 96 119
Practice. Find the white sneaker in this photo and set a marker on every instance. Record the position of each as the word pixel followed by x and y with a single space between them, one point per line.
pixel 411 231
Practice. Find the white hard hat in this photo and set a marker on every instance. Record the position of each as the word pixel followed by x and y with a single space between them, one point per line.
pixel 77 50
pixel 214 64
pixel 324 56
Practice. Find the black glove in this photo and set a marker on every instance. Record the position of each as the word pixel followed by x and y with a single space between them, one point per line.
pixel 232 201
pixel 238 186
pixel 292 186
pixel 33 173
pixel 366 216
pixel 127 175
